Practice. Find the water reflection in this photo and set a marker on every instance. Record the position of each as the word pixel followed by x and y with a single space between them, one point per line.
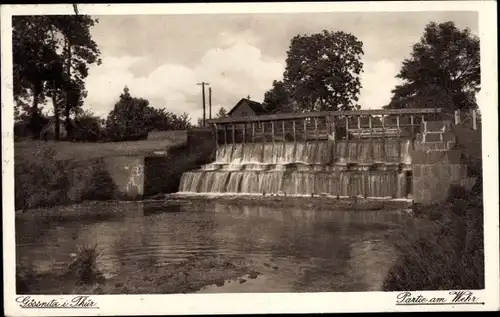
pixel 297 249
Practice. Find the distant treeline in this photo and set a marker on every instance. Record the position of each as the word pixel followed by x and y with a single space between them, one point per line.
pixel 131 119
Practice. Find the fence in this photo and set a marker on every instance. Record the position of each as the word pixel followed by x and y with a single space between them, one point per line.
pixel 395 123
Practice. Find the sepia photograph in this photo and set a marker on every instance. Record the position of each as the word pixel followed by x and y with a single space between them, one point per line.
pixel 246 152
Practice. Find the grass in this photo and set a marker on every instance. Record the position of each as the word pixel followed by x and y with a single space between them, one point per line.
pixel 84 267
pixel 86 151
pixel 444 250
pixel 81 273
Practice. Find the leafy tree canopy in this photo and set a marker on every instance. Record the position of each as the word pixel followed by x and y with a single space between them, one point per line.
pixel 222 113
pixel 278 99
pixel 443 70
pixel 322 72
pixel 131 118
pixel 51 55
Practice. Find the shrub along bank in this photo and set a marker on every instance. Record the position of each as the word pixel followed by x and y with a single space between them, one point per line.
pixel 445 247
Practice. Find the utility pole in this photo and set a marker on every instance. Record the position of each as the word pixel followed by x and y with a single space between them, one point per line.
pixel 210 102
pixel 203 84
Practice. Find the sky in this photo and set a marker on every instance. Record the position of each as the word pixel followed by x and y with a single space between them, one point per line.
pixel 163 57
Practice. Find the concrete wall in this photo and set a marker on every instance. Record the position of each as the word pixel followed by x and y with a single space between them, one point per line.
pixel 163 173
pixel 127 173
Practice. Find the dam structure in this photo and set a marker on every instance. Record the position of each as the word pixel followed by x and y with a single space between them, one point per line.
pixel 363 153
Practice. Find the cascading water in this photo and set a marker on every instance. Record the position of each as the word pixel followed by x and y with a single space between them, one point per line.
pixel 366 168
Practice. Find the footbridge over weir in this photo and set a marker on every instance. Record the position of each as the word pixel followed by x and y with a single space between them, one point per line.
pixel 399 153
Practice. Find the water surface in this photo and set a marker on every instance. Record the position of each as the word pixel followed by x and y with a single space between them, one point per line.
pixel 295 249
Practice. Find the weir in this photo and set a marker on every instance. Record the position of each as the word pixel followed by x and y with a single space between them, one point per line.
pixel 363 153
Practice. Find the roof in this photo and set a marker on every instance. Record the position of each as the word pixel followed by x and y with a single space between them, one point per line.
pixel 256 107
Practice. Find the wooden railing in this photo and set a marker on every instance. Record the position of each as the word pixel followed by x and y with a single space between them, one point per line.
pixel 398 123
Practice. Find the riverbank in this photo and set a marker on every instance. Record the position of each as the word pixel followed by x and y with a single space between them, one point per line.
pixel 314 202
pixel 449 252
pixel 88 210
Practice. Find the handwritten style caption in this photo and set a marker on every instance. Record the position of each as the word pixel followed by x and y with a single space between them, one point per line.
pixel 77 302
pixel 452 298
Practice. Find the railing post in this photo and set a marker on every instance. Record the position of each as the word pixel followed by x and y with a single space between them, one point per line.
pixel 316 128
pixel 244 132
pixel 253 132
pixel 216 136
pixel 383 138
pixel 263 131
pixel 412 128
pixel 348 150
pixel 294 132
pixel 347 128
pixel 334 138
pixel 272 129
pixel 399 139
pixel 359 127
pixel 371 136
pixel 225 134
pixel 234 132
pixel 305 130
pixel 283 130
pixel 474 119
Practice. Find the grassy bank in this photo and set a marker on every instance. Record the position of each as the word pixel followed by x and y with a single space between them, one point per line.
pixel 446 251
pixel 77 151
pixel 58 173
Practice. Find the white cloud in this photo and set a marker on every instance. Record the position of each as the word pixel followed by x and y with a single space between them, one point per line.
pixel 377 80
pixel 233 72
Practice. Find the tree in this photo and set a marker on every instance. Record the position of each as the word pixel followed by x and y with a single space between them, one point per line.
pixel 277 99
pixel 131 118
pixel 323 71
pixel 442 71
pixel 33 60
pixel 88 127
pixel 222 113
pixel 78 51
pixel 50 57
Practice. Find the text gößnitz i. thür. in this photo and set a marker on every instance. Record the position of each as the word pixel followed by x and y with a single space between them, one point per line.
pixel 75 302
pixel 451 298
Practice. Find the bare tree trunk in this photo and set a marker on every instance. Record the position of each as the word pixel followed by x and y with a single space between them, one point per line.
pixel 35 122
pixel 57 122
pixel 69 126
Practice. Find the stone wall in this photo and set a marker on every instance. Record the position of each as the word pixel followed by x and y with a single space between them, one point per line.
pixel 436 163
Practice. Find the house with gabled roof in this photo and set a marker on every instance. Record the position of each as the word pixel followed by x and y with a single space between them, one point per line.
pixel 246 108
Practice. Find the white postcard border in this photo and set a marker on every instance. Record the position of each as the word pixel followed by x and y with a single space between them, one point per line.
pixel 264 302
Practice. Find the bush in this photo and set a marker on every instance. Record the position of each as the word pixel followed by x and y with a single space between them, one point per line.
pixel 448 254
pixel 101 186
pixel 87 129
pixel 84 268
pixel 40 180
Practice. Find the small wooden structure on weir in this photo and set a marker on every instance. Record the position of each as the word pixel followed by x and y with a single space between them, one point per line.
pixel 335 125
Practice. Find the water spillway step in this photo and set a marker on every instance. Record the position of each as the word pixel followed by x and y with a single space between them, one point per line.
pixel 382 184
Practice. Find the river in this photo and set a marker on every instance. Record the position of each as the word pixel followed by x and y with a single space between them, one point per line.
pixel 291 249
